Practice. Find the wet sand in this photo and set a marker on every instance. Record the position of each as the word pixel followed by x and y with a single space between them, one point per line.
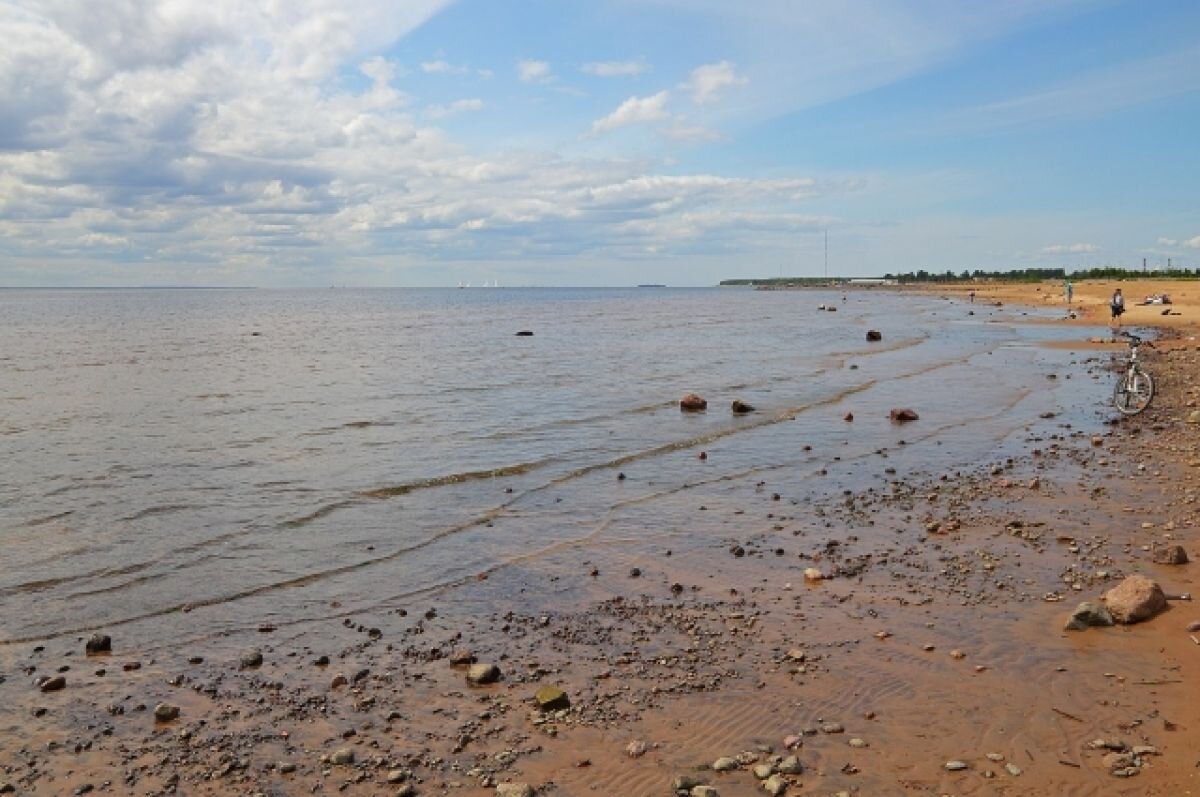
pixel 934 636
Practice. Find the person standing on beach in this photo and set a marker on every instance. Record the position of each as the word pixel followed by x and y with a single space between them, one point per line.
pixel 1117 306
pixel 1070 290
pixel 972 295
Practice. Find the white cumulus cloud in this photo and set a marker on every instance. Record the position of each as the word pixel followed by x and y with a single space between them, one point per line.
pixel 1070 249
pixel 614 68
pixel 1192 243
pixel 1168 242
pixel 634 110
pixel 530 71
pixel 708 82
pixel 456 107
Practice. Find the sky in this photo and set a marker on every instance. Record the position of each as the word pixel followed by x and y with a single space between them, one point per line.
pixel 293 143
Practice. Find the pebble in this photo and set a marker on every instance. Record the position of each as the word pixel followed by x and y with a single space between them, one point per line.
pixel 99 643
pixel 775 785
pixel 704 791
pixel 53 684
pixel 997 757
pixel 635 749
pixel 955 766
pixel 763 771
pixel 396 775
pixel 856 742
pixel 1013 769
pixel 165 712
pixel 287 767
pixel 342 756
pixel 793 741
pixel 724 764
pixel 551 698
pixel 483 673
pixel 833 727
pixel 514 790
pixel 685 783
pixel 791 766
pixel 251 659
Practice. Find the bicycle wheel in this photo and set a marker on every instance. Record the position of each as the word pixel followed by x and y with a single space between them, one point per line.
pixel 1133 392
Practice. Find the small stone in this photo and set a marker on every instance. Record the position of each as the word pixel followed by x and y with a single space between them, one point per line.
pixel 725 764
pixel 873 335
pixel 692 403
pixel 251 660
pixel 53 684
pixel 551 698
pixel 165 712
pixel 833 727
pixel 99 643
pixel 1171 555
pixel 483 673
pixel 957 654
pixel 904 415
pixel 338 680
pixel 740 407
pixel 1145 749
pixel 704 791
pixel 775 785
pixel 683 784
pixel 812 574
pixel 461 657
pixel 514 790
pixel 792 741
pixel 287 767
pixel 763 771
pixel 396 775
pixel 791 766
pixel 997 757
pixel 859 743
pixel 955 766
pixel 342 756
pixel 635 749
pixel 1013 769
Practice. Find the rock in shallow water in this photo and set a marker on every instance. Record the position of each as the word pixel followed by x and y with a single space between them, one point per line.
pixel 1135 599
pixel 692 403
pixel 1087 615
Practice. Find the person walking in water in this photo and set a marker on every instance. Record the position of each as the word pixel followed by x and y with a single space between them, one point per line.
pixel 1117 306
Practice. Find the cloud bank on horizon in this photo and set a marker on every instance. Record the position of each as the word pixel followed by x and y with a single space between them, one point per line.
pixel 431 141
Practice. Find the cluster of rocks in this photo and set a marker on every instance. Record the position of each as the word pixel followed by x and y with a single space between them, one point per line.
pixel 1121 760
pixel 1135 599
pixel 693 402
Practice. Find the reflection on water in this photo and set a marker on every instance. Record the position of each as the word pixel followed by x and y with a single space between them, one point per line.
pixel 259 452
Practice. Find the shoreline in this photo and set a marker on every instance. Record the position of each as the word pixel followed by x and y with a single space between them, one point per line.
pixel 934 636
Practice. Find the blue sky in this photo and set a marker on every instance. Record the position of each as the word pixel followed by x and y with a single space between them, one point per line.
pixel 428 142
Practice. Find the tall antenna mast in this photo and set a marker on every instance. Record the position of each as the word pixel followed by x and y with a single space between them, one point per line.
pixel 826 253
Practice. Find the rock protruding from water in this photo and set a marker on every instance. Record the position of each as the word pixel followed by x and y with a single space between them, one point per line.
pixel 692 403
pixel 1171 555
pixel 1135 599
pixel 741 408
pixel 1087 615
pixel 483 673
pixel 525 333
pixel 904 415
pixel 874 336
pixel 99 643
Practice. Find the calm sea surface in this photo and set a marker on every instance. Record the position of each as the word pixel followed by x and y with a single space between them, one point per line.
pixel 255 455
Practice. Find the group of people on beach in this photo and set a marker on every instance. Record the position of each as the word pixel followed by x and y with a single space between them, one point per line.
pixel 1116 304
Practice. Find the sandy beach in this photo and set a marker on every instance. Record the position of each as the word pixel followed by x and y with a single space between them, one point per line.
pixel 901 638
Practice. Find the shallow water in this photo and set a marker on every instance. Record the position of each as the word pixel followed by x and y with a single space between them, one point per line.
pixel 255 455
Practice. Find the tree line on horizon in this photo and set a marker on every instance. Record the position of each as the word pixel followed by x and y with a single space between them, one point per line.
pixel 1042 274
pixel 980 275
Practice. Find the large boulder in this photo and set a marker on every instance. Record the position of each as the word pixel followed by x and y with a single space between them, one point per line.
pixel 903 415
pixel 1135 599
pixel 692 403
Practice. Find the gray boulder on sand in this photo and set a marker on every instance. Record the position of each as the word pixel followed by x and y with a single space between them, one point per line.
pixel 1135 599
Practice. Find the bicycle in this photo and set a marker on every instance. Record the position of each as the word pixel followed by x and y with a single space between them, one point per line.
pixel 1135 388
